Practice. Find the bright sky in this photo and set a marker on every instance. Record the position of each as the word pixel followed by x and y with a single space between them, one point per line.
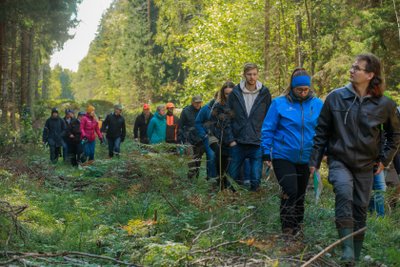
pixel 89 14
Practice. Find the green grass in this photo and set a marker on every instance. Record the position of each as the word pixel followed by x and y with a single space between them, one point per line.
pixel 91 210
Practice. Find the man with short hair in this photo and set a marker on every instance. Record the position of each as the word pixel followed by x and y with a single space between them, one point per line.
pixel 115 129
pixel 141 124
pixel 248 103
pixel 188 134
pixel 53 133
pixel 172 124
pixel 348 131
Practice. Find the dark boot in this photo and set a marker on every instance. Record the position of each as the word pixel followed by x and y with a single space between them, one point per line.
pixel 347 246
pixel 358 242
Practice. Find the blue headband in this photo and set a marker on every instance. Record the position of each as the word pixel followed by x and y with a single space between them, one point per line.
pixel 304 80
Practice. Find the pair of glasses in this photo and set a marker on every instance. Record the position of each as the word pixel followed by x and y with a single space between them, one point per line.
pixel 356 68
pixel 301 90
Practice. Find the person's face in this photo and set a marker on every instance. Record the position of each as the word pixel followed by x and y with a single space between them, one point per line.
pixel 170 111
pixel 146 112
pixel 162 111
pixel 251 76
pixel 227 92
pixel 358 74
pixel 71 115
pixel 117 112
pixel 54 114
pixel 80 117
pixel 92 114
pixel 197 105
pixel 301 91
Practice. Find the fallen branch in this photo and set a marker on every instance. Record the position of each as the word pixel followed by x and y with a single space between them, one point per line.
pixel 332 246
pixel 215 247
pixel 60 254
pixel 219 225
pixel 169 202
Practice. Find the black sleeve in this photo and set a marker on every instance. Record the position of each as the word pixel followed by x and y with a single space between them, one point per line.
pixel 136 127
pixel 123 134
pixel 45 135
pixel 392 135
pixel 181 129
pixel 105 124
pixel 322 134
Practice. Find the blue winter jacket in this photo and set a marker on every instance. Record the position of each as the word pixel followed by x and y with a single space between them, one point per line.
pixel 288 129
pixel 157 129
pixel 203 120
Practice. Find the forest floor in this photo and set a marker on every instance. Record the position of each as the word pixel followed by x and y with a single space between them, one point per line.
pixel 141 210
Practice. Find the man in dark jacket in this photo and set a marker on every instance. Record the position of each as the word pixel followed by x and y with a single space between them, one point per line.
pixel 249 103
pixel 114 127
pixel 73 137
pixel 188 135
pixel 53 133
pixel 141 124
pixel 172 124
pixel 348 131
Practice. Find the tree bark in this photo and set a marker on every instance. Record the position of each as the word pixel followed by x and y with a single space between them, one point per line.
pixel 24 85
pixel 299 28
pixel 397 17
pixel 313 52
pixel 3 70
pixel 267 30
pixel 13 77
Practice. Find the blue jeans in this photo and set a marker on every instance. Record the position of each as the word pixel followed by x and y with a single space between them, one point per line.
pixel 114 145
pixel 211 160
pixel 89 149
pixel 239 154
pixel 377 201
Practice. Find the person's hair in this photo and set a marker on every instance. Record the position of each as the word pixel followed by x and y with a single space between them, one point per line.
pixel 160 107
pixel 221 98
pixel 297 72
pixel 249 66
pixel 376 85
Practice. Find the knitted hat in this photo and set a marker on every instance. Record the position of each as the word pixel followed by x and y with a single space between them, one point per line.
pixel 118 107
pixel 89 109
pixel 54 110
pixel 146 107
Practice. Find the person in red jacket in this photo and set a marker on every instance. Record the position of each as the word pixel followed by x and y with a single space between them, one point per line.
pixel 89 126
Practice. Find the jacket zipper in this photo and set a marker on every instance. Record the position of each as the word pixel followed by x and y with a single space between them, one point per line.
pixel 302 131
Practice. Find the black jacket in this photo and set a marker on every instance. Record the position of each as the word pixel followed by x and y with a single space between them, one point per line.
pixel 187 130
pixel 396 162
pixel 349 129
pixel 140 128
pixel 54 131
pixel 242 128
pixel 73 127
pixel 114 126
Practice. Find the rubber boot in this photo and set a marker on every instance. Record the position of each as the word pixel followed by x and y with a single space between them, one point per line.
pixel 347 246
pixel 358 242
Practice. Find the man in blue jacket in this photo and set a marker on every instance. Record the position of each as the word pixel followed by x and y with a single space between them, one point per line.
pixel 249 103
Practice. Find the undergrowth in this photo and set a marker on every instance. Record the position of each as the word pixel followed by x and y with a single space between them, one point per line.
pixel 142 209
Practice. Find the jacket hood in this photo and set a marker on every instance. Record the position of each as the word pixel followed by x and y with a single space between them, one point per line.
pixel 159 116
pixel 246 91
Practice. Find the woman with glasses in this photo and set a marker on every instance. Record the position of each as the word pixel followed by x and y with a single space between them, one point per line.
pixel 286 140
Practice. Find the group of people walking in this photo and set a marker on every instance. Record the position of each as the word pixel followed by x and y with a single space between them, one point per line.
pixel 356 128
pixel 77 136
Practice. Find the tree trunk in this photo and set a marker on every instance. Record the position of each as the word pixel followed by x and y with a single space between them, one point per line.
pixel 267 30
pixel 299 28
pixel 29 70
pixel 3 70
pixel 24 68
pixel 13 78
pixel 397 17
pixel 313 52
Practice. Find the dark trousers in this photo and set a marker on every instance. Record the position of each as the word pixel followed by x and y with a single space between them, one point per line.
pixel 293 179
pixel 352 193
pixel 195 163
pixel 55 152
pixel 74 150
pixel 114 145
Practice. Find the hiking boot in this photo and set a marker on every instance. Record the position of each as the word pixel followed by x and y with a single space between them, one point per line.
pixel 347 246
pixel 357 248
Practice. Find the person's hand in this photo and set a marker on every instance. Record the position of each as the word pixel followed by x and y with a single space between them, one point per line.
pixel 101 141
pixel 136 139
pixel 232 144
pixel 312 170
pixel 379 168
pixel 71 136
pixel 122 140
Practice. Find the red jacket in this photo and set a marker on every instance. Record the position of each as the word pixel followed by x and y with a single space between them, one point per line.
pixel 89 126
